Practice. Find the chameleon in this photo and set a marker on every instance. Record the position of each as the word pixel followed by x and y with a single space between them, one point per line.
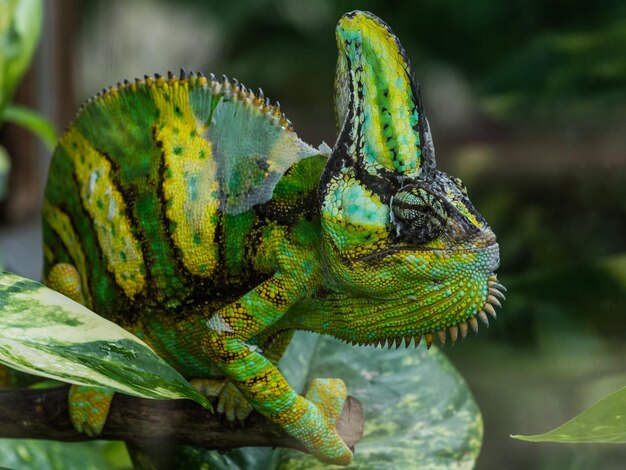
pixel 187 210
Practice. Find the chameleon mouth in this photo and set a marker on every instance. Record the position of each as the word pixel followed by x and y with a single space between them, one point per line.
pixel 495 294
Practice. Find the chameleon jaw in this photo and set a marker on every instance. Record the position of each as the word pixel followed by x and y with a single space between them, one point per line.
pixel 495 294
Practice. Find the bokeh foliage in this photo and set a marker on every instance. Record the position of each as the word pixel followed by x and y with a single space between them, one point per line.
pixel 524 54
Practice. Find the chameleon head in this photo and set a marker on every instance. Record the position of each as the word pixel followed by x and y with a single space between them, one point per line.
pixel 400 236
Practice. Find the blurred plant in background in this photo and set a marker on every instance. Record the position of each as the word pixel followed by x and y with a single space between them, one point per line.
pixel 20 28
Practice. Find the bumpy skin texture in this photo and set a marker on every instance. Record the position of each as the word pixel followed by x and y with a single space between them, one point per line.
pixel 187 210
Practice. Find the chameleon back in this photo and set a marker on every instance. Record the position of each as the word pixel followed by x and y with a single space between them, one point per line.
pixel 161 191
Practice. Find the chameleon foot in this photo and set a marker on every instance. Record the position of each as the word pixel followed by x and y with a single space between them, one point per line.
pixel 328 395
pixel 89 408
pixel 230 400
pixel 321 408
pixel 64 278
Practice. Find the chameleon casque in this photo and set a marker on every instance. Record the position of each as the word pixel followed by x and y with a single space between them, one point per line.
pixel 188 211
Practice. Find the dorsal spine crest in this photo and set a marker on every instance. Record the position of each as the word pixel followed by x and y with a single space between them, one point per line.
pixel 230 88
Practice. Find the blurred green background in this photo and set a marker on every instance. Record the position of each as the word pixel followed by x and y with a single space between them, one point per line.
pixel 527 104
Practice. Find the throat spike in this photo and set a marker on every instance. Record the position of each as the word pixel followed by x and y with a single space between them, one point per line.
pixel 497 293
pixel 473 324
pixel 490 310
pixel 454 333
pixel 429 339
pixel 498 286
pixel 463 327
pixel 442 337
pixel 482 316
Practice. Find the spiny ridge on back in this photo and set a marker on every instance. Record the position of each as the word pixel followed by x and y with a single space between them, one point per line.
pixel 228 87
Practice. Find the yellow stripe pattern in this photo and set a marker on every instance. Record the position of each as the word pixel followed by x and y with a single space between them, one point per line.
pixel 190 186
pixel 106 207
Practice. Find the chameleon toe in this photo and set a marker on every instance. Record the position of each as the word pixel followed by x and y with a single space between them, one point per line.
pixel 89 408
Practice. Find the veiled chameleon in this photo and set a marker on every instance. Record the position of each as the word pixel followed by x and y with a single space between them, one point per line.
pixel 188 211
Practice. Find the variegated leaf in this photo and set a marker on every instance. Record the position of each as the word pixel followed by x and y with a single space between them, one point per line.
pixel 44 333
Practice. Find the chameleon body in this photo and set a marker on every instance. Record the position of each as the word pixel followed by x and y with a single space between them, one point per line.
pixel 187 210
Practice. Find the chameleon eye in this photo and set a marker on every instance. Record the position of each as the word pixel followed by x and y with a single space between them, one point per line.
pixel 419 215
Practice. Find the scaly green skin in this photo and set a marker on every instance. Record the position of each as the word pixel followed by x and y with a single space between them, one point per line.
pixel 188 211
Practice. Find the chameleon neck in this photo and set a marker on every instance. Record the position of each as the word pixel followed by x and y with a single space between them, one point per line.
pixel 356 320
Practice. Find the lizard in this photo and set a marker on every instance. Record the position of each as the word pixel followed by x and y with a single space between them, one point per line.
pixel 186 209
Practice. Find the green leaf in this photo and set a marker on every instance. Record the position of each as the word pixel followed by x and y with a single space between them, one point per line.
pixel 417 409
pixel 45 333
pixel 20 25
pixel 32 121
pixel 603 422
pixel 27 454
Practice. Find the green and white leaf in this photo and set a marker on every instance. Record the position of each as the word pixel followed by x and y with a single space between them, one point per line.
pixel 45 333
pixel 603 422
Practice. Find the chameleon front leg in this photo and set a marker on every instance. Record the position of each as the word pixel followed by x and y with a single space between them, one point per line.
pixel 260 381
pixel 231 401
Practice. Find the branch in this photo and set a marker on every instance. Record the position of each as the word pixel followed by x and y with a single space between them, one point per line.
pixel 43 414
